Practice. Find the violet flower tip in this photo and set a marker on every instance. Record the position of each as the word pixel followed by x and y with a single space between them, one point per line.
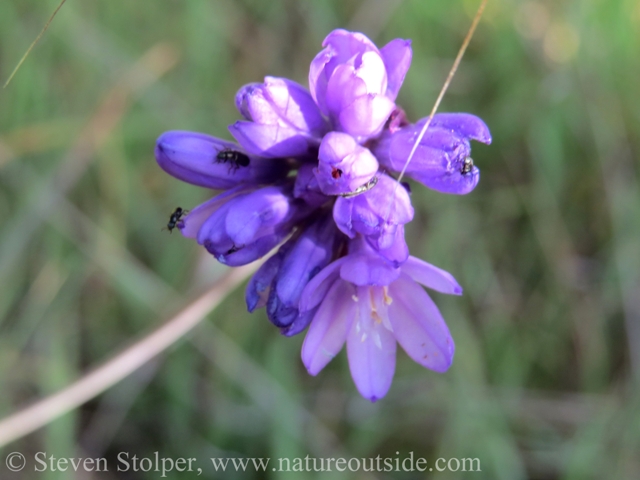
pixel 285 332
pixel 251 305
pixel 311 372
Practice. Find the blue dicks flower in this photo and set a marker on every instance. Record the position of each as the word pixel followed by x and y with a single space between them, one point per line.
pixel 355 84
pixel 282 119
pixel 312 173
pixel 371 317
pixel 442 161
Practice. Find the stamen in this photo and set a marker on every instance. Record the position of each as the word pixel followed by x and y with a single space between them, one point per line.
pixel 374 311
pixel 385 293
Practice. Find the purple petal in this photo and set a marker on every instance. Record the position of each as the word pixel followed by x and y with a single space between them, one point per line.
pixel 329 327
pixel 306 187
pixel 250 225
pixel 319 78
pixel 454 183
pixel 364 266
pixel 295 104
pixel 372 70
pixel 266 207
pixel 366 116
pixel 397 58
pixel 307 255
pixel 343 216
pixel 431 276
pixel 340 47
pixel 192 158
pixel 343 165
pixel 344 46
pixel 335 146
pixel 392 246
pixel 191 224
pixel 397 120
pixel 418 325
pixel 347 44
pixel 462 124
pixel 343 88
pixel 299 324
pixel 273 141
pixel 373 212
pixel 367 270
pixel 258 288
pixel 279 101
pixel 241 98
pixel 348 81
pixel 280 314
pixel 371 349
pixel 212 230
pixel 317 288
pixel 249 253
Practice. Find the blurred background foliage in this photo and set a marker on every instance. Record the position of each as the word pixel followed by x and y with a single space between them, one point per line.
pixel 546 375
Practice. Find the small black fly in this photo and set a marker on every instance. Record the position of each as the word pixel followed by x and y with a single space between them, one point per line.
pixel 175 218
pixel 234 158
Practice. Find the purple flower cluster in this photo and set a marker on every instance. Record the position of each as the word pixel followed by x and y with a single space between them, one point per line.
pixel 313 174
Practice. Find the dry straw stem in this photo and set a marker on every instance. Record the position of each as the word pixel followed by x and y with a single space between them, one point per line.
pixel 44 29
pixel 445 87
pixel 123 364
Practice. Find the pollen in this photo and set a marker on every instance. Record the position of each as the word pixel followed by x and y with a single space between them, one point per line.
pixel 387 298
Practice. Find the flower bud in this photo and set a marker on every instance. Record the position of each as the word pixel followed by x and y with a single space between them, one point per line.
pixel 210 162
pixel 355 84
pixel 282 119
pixel 442 160
pixel 343 165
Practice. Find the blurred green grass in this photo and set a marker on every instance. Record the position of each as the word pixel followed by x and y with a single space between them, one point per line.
pixel 545 380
